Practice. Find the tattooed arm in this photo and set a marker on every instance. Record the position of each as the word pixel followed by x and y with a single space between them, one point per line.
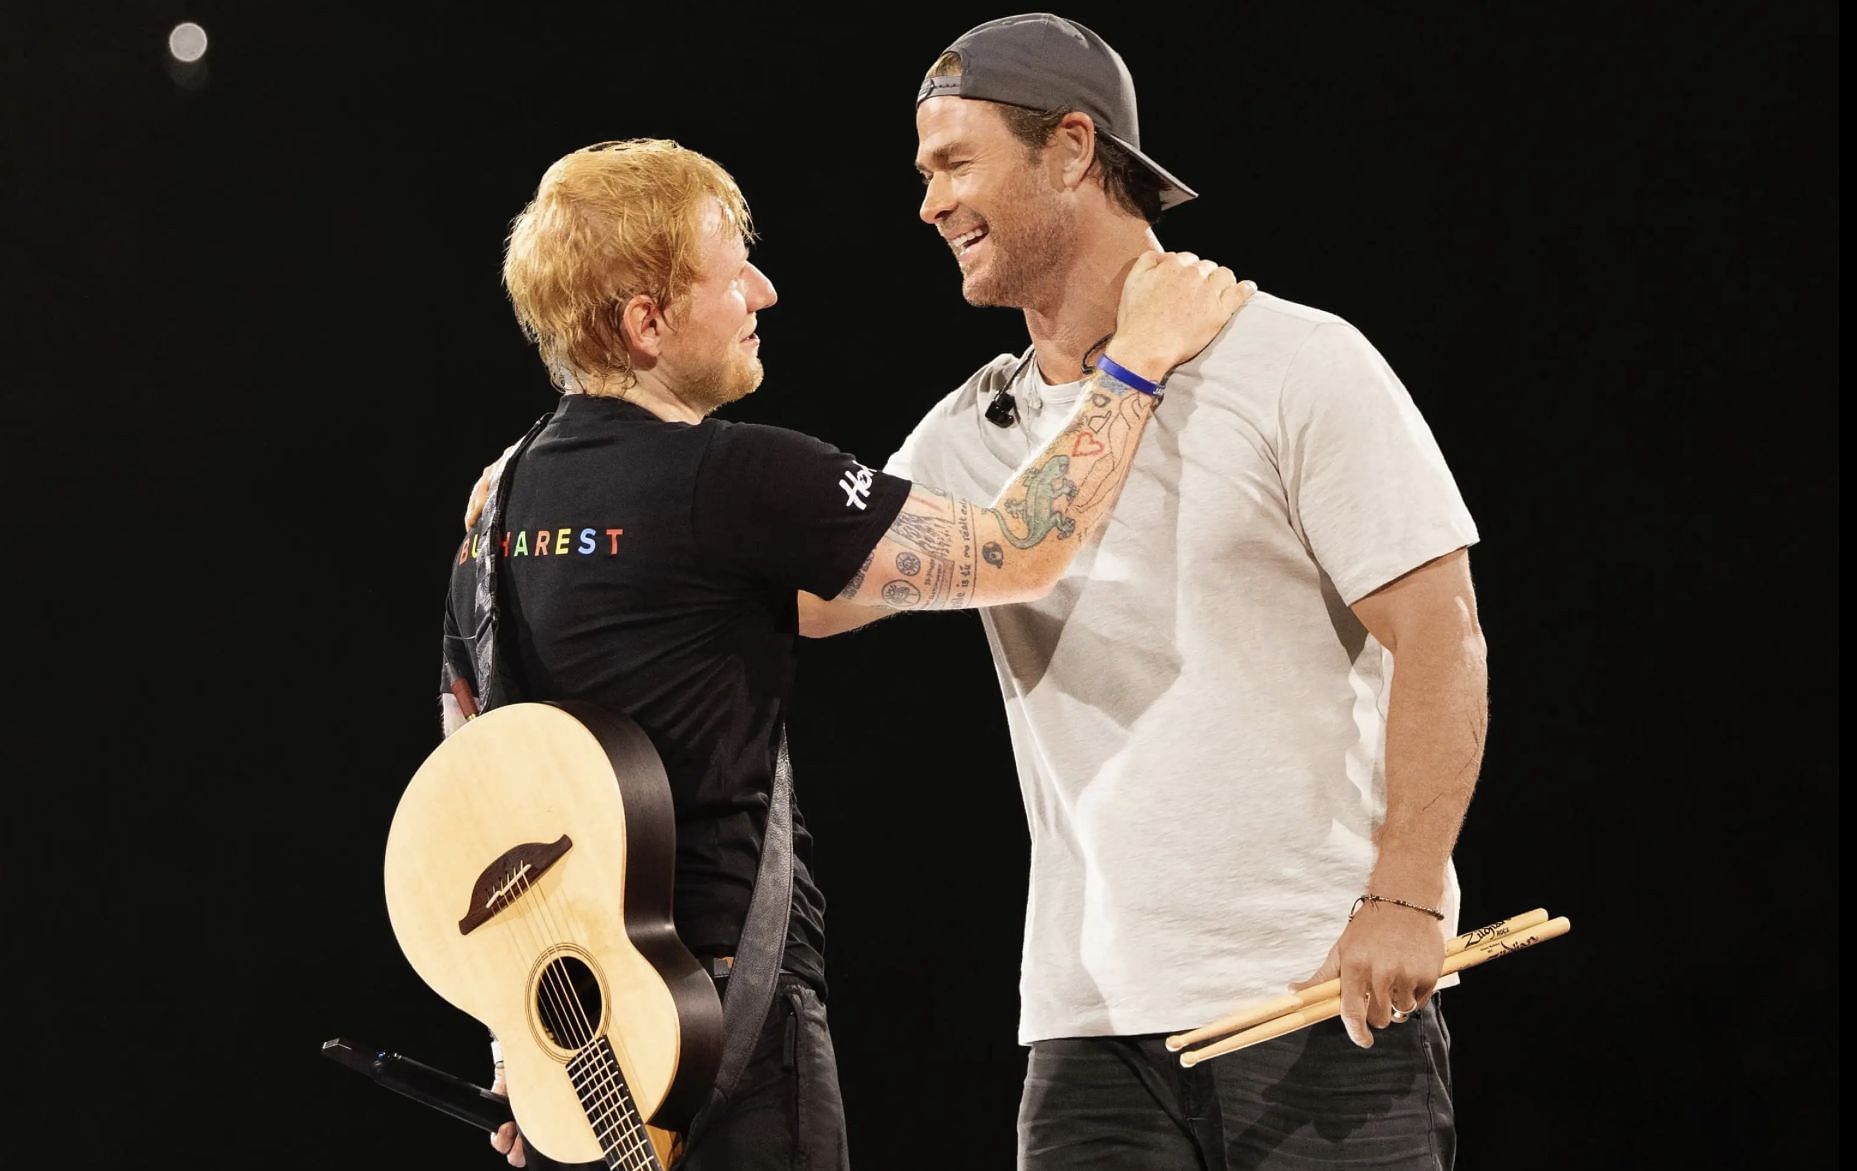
pixel 946 553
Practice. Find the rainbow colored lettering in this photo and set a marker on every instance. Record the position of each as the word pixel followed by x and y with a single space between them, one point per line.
pixel 561 542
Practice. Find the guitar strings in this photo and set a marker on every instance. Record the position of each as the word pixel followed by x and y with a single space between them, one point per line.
pixel 558 990
pixel 615 1097
pixel 553 984
pixel 609 1091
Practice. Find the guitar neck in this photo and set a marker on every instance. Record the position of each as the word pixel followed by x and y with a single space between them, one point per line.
pixel 624 1138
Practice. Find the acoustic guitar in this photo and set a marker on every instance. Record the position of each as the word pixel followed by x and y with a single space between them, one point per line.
pixel 528 874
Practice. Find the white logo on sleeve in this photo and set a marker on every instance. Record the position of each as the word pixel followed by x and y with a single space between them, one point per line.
pixel 857 486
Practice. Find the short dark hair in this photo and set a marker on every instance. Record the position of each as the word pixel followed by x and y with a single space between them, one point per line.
pixel 1134 188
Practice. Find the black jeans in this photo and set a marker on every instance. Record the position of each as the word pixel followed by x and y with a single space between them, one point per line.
pixel 786 1114
pixel 1309 1099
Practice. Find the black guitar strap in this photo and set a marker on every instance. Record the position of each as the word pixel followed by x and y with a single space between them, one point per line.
pixel 496 683
pixel 763 943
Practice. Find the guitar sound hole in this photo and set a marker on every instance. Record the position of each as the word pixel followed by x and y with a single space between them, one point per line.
pixel 568 1003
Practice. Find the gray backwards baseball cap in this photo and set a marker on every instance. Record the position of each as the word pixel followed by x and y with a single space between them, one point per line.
pixel 1044 62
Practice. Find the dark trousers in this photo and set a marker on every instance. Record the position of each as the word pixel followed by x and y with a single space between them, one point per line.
pixel 1309 1099
pixel 786 1113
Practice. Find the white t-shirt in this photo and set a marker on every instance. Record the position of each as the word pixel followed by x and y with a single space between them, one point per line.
pixel 1198 718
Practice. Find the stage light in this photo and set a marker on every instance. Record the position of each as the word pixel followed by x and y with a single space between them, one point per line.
pixel 187 42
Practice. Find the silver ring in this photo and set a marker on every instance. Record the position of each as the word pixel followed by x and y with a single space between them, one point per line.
pixel 1401 1016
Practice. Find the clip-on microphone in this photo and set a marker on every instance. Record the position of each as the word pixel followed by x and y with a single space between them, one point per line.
pixel 1003 411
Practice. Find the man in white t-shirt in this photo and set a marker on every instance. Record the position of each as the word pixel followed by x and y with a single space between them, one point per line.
pixel 1288 535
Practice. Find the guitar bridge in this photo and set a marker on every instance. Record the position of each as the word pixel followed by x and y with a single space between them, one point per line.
pixel 509 878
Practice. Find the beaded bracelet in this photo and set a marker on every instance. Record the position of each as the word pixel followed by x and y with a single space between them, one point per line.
pixel 1372 898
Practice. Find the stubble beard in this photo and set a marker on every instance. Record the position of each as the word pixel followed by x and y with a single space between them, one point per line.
pixel 732 379
pixel 1030 250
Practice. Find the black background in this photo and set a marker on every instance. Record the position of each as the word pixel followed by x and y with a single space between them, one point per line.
pixel 256 352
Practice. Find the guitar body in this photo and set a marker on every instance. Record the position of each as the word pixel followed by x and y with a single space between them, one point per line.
pixel 528 878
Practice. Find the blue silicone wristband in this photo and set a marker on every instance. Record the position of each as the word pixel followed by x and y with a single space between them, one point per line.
pixel 1122 373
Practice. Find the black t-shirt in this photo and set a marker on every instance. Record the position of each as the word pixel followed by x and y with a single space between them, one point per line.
pixel 651 567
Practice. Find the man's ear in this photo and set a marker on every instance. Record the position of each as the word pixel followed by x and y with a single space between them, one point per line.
pixel 642 326
pixel 1075 140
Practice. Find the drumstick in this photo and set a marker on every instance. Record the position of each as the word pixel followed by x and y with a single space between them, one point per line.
pixel 1257 1013
pixel 1324 1010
